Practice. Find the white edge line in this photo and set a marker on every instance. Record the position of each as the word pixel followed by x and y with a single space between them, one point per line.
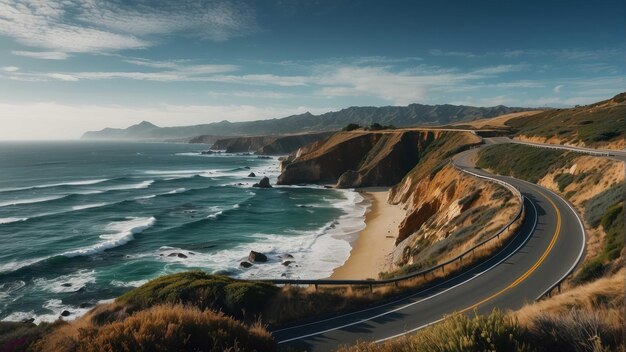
pixel 582 248
pixel 429 297
pixel 502 183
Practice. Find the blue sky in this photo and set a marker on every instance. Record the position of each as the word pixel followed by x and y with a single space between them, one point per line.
pixel 69 66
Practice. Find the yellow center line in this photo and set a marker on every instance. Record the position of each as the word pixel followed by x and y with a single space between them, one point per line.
pixel 535 266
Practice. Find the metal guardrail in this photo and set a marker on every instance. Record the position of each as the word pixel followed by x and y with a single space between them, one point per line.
pixel 567 148
pixel 371 283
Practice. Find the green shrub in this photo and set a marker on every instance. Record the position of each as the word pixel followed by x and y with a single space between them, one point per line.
pixel 351 127
pixel 590 271
pixel 563 180
pixel 202 290
pixel 596 206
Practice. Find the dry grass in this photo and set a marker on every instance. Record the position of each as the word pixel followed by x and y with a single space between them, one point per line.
pixel 494 332
pixel 162 328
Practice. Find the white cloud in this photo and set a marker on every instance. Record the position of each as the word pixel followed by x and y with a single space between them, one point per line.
pixel 557 89
pixel 102 26
pixel 45 120
pixel 44 55
pixel 10 68
pixel 501 69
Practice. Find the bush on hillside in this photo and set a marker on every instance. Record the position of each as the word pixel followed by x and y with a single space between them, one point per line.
pixel 167 328
pixel 202 290
pixel 351 127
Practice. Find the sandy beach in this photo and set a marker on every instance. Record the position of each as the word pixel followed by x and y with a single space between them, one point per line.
pixel 371 250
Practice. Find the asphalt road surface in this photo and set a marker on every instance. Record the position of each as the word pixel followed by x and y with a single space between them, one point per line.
pixel 550 243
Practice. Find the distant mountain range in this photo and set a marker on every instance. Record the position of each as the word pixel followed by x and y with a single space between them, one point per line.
pixel 399 116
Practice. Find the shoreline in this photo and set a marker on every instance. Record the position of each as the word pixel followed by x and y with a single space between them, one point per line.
pixel 371 250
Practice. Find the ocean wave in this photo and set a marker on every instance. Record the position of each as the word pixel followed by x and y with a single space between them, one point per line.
pixel 55 307
pixel 71 183
pixel 122 232
pixel 144 184
pixel 328 247
pixel 30 200
pixel 11 220
pixel 89 206
pixel 67 283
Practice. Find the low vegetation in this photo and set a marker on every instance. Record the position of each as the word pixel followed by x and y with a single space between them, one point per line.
pixel 163 328
pixel 494 332
pixel 598 125
pixel 521 161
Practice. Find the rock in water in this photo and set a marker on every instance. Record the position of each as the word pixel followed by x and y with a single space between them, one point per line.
pixel 245 264
pixel 257 257
pixel 264 183
pixel 251 174
pixel 180 255
pixel 287 262
pixel 65 313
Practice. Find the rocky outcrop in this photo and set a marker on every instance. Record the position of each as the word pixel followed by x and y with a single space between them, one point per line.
pixel 447 211
pixel 257 257
pixel 264 183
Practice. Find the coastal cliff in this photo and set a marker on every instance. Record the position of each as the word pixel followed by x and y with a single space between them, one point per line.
pixel 445 208
pixel 360 159
pixel 268 145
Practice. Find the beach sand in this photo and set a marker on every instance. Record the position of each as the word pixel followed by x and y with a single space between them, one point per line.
pixel 371 251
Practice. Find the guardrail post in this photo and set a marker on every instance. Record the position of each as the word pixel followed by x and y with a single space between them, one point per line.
pixel 395 283
pixel 442 269
pixel 558 287
pixel 371 288
pixel 315 287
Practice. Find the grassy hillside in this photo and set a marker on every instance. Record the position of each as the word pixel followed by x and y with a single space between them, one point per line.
pixel 601 124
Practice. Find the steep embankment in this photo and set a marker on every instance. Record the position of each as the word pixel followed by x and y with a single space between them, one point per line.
pixel 446 210
pixel 599 125
pixel 362 159
pixel 595 186
pixel 268 145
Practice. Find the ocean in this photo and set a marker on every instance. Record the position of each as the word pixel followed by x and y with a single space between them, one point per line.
pixel 83 222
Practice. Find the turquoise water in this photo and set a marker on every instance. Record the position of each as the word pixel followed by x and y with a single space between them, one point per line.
pixel 82 222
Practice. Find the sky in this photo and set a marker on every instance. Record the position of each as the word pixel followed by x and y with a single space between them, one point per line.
pixel 69 66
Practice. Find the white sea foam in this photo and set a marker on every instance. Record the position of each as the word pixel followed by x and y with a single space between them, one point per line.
pixel 55 307
pixel 144 184
pixel 67 283
pixel 135 283
pixel 10 220
pixel 30 200
pixel 118 234
pixel 316 253
pixel 71 183
pixel 89 206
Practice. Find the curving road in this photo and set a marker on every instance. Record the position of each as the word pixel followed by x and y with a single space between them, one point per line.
pixel 550 243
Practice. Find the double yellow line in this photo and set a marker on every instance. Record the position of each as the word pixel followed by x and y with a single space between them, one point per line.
pixel 520 279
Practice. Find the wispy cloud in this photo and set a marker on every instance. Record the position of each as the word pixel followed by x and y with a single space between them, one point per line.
pixel 10 68
pixel 557 89
pixel 103 26
pixel 439 52
pixel 43 55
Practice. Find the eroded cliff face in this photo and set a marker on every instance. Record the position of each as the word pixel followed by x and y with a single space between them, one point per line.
pixel 446 209
pixel 363 159
pixel 446 212
pixel 268 145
